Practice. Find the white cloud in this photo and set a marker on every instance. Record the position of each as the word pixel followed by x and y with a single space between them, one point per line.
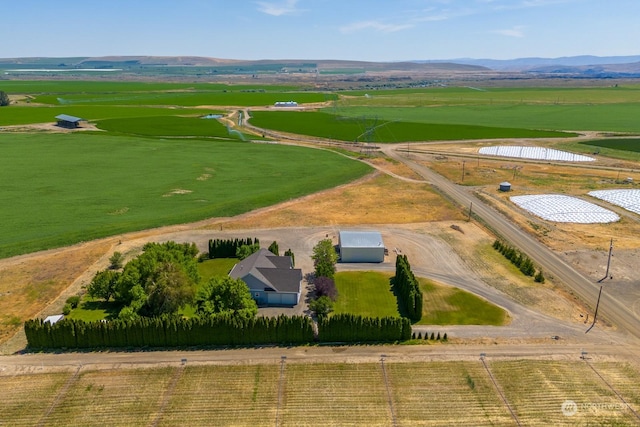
pixel 517 31
pixel 286 7
pixel 375 25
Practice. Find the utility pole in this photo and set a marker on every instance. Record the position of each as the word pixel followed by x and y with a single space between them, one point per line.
pixel 595 314
pixel 463 162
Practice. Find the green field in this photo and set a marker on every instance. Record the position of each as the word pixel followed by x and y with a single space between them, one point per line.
pixel 62 189
pixel 379 125
pixel 169 126
pixel 434 393
pixel 630 144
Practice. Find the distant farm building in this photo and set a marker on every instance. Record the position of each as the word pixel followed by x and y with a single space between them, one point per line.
pixel 68 122
pixel 361 246
pixel 286 104
pixel 271 279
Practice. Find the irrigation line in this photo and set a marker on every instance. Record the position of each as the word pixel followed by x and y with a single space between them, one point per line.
pixel 168 393
pixel 613 389
pixel 280 390
pixel 504 399
pixel 60 395
pixel 394 422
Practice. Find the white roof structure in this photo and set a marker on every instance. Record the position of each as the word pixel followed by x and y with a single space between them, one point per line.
pixel 628 199
pixel 559 208
pixel 535 153
pixel 361 239
pixel 54 319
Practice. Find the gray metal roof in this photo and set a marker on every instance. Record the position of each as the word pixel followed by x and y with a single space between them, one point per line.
pixel 361 239
pixel 68 118
pixel 272 270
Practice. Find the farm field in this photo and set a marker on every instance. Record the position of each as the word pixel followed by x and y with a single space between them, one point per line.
pixel 373 125
pixel 283 393
pixel 79 187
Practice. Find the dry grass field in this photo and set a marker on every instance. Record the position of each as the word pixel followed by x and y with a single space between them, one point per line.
pixel 309 394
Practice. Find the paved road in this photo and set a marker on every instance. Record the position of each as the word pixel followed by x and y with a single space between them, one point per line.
pixel 615 310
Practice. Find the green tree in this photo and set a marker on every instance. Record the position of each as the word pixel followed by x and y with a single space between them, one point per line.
pixel 321 306
pixel 289 252
pixel 324 259
pixel 116 261
pixel 4 99
pixel 245 251
pixel 226 295
pixel 273 248
pixel 73 301
pixel 168 290
pixel 103 284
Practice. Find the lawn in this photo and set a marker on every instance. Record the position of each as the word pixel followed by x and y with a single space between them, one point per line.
pixel 215 268
pixel 92 309
pixel 368 293
pixel 365 293
pixel 59 189
pixel 446 305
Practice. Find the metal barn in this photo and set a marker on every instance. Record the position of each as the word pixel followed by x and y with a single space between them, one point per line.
pixel 361 246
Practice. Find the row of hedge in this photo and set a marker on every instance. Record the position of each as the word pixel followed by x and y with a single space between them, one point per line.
pixel 169 332
pixel 519 259
pixel 351 328
pixel 407 289
pixel 227 248
pixel 214 331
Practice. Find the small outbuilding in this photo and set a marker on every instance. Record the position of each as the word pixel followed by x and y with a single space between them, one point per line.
pixel 68 122
pixel 505 186
pixel 286 104
pixel 54 319
pixel 361 246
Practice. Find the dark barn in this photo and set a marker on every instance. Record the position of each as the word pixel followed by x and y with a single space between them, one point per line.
pixel 68 122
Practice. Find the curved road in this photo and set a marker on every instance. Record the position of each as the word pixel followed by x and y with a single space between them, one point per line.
pixel 612 308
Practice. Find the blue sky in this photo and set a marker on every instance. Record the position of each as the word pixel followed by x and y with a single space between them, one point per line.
pixel 371 30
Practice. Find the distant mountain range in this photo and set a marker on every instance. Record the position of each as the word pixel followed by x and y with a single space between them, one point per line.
pixel 584 64
pixel 572 66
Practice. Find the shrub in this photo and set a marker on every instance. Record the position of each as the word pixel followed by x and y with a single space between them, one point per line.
pixel 66 309
pixel 325 287
pixel 321 306
pixel 73 301
pixel 116 261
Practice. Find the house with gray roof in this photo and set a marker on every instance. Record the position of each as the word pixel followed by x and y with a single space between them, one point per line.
pixel 271 279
